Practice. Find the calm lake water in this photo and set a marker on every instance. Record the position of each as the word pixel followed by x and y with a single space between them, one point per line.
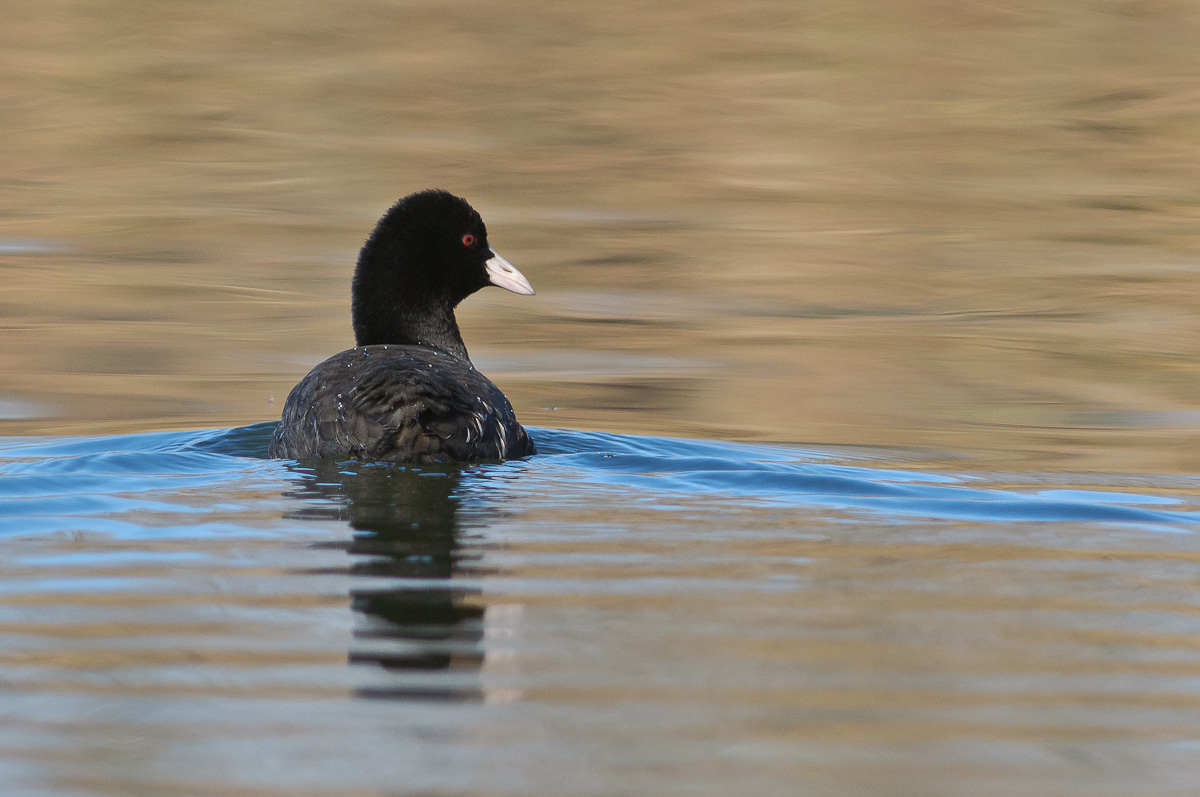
pixel 864 367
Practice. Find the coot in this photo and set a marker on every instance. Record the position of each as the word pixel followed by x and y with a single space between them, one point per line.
pixel 407 392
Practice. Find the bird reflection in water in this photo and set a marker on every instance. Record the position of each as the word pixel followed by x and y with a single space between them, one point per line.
pixel 424 634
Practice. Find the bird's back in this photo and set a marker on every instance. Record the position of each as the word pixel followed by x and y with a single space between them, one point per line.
pixel 400 404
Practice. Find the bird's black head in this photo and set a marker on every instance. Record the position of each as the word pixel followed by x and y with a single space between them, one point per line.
pixel 428 253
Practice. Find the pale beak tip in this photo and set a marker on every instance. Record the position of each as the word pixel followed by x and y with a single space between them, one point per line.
pixel 503 274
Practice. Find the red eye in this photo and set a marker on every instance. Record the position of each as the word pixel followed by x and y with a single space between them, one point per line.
pixel 468 240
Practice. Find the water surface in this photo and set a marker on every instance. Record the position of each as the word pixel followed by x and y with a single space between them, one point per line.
pixel 864 363
pixel 969 228
pixel 620 614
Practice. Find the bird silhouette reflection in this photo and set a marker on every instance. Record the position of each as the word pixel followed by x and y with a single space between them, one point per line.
pixel 421 633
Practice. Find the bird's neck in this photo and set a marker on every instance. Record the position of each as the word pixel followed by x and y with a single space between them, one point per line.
pixel 430 327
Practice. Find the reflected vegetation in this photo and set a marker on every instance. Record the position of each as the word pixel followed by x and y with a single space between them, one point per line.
pixel 412 622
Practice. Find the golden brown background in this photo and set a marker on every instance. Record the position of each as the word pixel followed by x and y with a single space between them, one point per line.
pixel 964 227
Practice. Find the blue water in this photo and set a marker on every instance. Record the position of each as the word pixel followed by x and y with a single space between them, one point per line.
pixel 49 484
pixel 619 614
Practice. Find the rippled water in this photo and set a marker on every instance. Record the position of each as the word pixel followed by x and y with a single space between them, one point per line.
pixel 915 280
pixel 620 614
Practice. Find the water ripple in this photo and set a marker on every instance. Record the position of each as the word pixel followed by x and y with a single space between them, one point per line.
pixel 637 593
pixel 99 476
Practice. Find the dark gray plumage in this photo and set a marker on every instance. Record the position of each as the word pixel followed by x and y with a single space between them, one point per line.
pixel 408 391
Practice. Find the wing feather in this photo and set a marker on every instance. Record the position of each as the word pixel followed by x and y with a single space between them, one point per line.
pixel 399 403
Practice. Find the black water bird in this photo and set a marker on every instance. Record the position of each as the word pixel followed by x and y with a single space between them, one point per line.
pixel 408 392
